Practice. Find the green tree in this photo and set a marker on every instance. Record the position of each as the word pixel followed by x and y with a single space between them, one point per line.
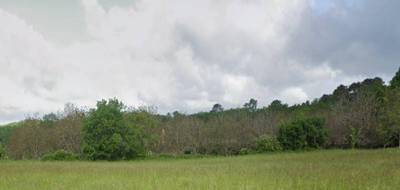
pixel 391 118
pixel 277 105
pixel 303 133
pixel 395 82
pixel 143 124
pixel 251 105
pixel 50 119
pixel 217 108
pixel 107 136
pixel 390 113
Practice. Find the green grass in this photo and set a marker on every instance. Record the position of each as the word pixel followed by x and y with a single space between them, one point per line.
pixel 331 169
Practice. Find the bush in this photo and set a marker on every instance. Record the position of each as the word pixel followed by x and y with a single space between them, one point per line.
pixel 244 151
pixel 3 152
pixel 268 144
pixel 188 151
pixel 60 155
pixel 303 134
pixel 354 137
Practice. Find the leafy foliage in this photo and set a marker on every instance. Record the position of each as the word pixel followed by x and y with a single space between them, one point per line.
pixel 107 136
pixel 267 143
pixel 251 105
pixel 3 153
pixel 395 82
pixel 7 130
pixel 244 151
pixel 391 118
pixel 217 108
pixel 60 155
pixel 354 137
pixel 302 134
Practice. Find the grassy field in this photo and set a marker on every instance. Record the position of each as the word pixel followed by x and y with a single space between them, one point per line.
pixel 332 169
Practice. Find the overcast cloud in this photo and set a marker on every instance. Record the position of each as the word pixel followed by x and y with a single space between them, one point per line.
pixel 187 55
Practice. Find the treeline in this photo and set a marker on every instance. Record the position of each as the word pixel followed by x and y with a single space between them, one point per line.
pixel 362 115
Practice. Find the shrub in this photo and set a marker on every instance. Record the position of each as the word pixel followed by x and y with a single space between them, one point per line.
pixel 303 134
pixel 267 144
pixel 3 152
pixel 188 151
pixel 244 151
pixel 354 137
pixel 60 155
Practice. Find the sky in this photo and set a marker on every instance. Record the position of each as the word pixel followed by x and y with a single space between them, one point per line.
pixel 187 55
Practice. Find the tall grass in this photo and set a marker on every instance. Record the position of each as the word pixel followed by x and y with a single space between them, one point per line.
pixel 319 170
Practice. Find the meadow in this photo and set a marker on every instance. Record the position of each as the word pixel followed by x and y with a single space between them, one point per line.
pixel 322 170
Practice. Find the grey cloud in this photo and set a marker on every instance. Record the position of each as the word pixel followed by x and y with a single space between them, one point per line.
pixel 363 39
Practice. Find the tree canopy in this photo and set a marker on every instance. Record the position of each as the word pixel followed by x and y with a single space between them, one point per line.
pixel 107 136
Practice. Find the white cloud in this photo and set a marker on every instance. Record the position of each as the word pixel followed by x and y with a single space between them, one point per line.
pixel 177 54
pixel 294 95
